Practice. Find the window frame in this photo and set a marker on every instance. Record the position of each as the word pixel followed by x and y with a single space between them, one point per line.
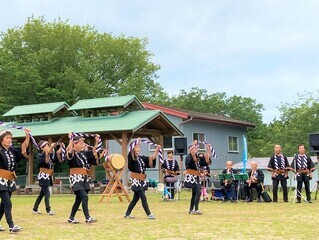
pixel 151 148
pixel 200 149
pixel 237 143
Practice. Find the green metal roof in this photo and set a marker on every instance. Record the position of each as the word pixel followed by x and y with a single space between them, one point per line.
pixel 128 121
pixel 36 109
pixel 120 101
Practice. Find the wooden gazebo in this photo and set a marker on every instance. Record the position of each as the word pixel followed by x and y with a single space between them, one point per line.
pixel 114 118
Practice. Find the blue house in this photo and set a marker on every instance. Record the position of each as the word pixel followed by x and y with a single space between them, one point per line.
pixel 223 133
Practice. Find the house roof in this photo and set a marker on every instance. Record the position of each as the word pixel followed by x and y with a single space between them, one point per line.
pixel 263 162
pixel 188 114
pixel 128 121
pixel 108 102
pixel 36 109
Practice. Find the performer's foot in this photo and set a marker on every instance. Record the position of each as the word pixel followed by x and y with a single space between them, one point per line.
pixel 1 229
pixel 73 221
pixel 286 201
pixel 90 220
pixel 258 200
pixel 233 201
pixel 36 212
pixel 225 200
pixel 51 213
pixel 151 216
pixel 15 229
pixel 309 201
pixel 198 212
pixel 298 201
pixel 129 216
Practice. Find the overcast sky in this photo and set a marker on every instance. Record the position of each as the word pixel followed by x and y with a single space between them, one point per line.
pixel 266 50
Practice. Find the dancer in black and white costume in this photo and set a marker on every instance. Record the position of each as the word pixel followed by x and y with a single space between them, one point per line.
pixel 137 165
pixel 192 176
pixel 47 156
pixel 171 171
pixel 9 156
pixel 80 162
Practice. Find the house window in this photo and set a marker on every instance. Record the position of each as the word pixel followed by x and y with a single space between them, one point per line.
pixel 168 143
pixel 233 144
pixel 199 137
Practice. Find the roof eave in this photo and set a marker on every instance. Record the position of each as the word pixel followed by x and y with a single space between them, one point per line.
pixel 159 113
pixel 134 99
pixel 244 124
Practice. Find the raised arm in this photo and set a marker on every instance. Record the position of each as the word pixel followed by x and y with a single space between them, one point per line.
pixel 69 148
pixel 96 155
pixel 153 156
pixel 208 154
pixel 59 152
pixel 26 142
pixel 193 149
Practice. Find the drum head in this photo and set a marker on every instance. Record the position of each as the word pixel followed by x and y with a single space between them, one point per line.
pixel 117 161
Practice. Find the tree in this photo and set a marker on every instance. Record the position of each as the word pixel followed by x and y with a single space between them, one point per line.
pixel 55 61
pixel 296 121
pixel 200 100
pixel 237 107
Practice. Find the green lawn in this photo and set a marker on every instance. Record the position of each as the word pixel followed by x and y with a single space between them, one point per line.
pixel 219 221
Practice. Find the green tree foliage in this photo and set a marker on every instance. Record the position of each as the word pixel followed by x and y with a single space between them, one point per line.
pixel 200 100
pixel 241 108
pixel 55 61
pixel 296 121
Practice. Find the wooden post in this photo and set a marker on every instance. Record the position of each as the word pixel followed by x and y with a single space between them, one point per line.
pixel 124 153
pixel 30 165
pixel 93 172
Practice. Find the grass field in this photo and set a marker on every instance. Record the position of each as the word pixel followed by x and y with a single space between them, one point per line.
pixel 219 221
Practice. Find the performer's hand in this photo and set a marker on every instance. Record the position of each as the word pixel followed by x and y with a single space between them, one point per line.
pixel 97 137
pixel 70 135
pixel 273 175
pixel 46 150
pixel 53 145
pixel 27 131
pixel 310 175
pixel 105 152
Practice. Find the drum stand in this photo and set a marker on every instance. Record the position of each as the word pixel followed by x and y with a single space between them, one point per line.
pixel 295 194
pixel 178 190
pixel 112 188
pixel 315 187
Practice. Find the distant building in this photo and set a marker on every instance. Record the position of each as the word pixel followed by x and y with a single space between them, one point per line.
pixel 224 133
